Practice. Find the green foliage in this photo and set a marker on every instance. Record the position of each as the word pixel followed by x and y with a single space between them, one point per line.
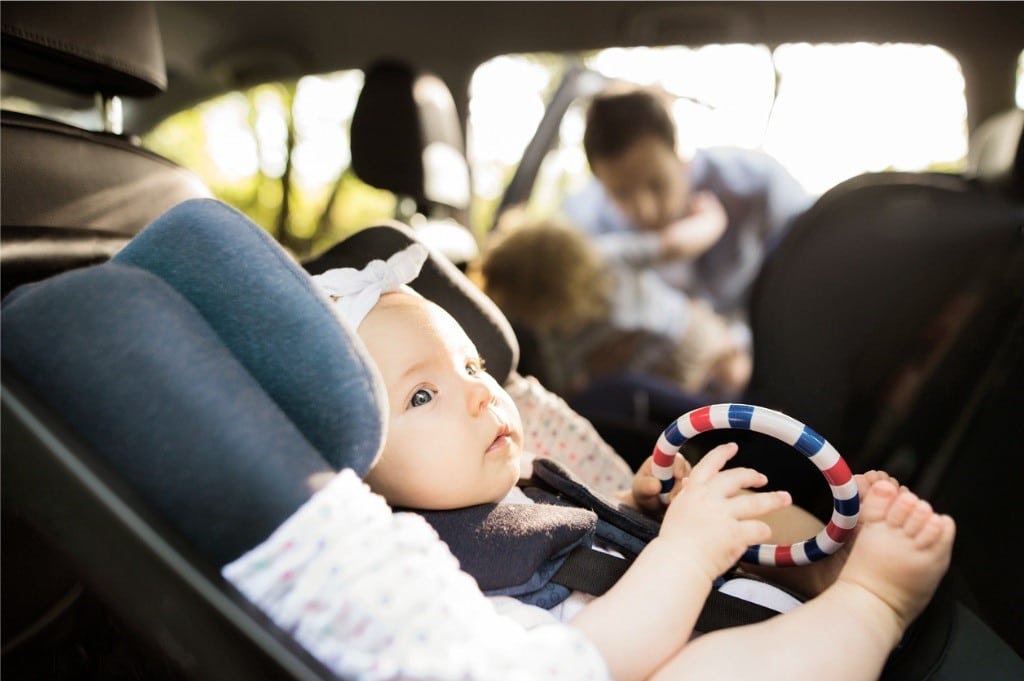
pixel 240 168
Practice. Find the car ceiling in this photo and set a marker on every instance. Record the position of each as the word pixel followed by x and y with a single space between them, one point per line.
pixel 212 47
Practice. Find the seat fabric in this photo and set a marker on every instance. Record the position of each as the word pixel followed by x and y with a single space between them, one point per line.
pixel 441 282
pixel 270 316
pixel 135 370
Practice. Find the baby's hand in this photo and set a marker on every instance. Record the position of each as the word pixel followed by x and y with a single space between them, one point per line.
pixel 713 519
pixel 646 487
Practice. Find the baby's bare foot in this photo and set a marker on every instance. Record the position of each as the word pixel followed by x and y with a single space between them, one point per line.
pixel 901 551
pixel 822 574
pixel 864 481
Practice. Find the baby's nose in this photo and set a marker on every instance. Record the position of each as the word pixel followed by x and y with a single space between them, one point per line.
pixel 479 396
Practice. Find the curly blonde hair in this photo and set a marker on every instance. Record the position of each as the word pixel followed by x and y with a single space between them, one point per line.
pixel 545 274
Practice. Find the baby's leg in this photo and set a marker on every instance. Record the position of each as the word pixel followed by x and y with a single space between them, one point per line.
pixel 901 552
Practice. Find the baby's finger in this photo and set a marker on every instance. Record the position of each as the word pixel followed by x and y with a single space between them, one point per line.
pixel 746 506
pixel 646 485
pixel 680 485
pixel 645 490
pixel 730 482
pixel 754 532
pixel 681 467
pixel 713 461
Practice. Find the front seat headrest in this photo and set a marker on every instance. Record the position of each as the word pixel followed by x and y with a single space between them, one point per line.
pixel 113 48
pixel 407 137
pixel 996 154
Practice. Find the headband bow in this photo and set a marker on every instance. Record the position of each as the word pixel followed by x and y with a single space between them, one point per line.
pixel 354 292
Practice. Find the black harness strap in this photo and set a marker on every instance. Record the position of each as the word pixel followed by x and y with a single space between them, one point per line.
pixel 595 572
pixel 590 571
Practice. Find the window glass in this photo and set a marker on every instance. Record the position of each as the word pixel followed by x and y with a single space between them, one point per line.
pixel 826 112
pixel 280 153
pixel 1020 81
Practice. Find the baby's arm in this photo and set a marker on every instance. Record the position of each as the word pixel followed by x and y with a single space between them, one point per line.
pixel 706 528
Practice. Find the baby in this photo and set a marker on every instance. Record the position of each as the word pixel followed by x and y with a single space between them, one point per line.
pixel 595 314
pixel 454 439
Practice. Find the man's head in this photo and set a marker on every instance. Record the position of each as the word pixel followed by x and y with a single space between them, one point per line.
pixel 630 143
pixel 454 436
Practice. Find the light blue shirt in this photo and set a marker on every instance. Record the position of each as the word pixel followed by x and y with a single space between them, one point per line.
pixel 761 200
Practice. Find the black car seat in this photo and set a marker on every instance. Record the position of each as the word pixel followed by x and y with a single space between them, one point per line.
pixel 890 283
pixel 168 439
pixel 890 319
pixel 71 196
pixel 151 435
pixel 441 281
pixel 995 156
pixel 407 138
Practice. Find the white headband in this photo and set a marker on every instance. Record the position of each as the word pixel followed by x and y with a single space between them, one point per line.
pixel 354 292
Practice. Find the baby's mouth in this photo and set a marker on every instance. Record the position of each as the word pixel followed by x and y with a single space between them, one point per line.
pixel 502 439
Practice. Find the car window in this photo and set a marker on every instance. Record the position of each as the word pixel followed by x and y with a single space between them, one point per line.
pixel 279 152
pixel 826 112
pixel 1019 96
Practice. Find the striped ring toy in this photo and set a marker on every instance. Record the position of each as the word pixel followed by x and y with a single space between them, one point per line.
pixel 776 424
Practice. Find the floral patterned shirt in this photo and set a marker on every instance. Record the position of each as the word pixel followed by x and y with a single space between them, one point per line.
pixel 376 595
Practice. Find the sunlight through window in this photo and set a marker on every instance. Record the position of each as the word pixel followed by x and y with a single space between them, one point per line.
pixel 826 112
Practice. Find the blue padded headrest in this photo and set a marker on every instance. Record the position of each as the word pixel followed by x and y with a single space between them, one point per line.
pixel 139 375
pixel 270 316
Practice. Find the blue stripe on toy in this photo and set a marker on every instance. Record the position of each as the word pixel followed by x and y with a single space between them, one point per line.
pixel 847 507
pixel 813 551
pixel 809 443
pixel 672 434
pixel 666 485
pixel 740 415
pixel 751 554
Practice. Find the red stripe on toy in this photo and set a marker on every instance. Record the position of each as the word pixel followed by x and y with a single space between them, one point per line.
pixel 836 533
pixel 700 419
pixel 784 555
pixel 838 474
pixel 662 458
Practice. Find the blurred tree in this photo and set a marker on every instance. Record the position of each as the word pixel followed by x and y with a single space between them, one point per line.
pixel 243 146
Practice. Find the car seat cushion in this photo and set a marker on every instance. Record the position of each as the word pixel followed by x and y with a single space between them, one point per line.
pixel 440 281
pixel 131 366
pixel 271 317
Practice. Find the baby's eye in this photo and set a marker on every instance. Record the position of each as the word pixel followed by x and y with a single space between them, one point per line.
pixel 421 397
pixel 475 366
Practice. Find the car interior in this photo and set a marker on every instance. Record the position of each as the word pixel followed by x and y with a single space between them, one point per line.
pixel 156 416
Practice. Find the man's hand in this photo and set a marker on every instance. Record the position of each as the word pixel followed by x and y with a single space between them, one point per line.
pixel 691 236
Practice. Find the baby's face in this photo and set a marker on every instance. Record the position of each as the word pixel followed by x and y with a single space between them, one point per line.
pixel 454 435
pixel 647 182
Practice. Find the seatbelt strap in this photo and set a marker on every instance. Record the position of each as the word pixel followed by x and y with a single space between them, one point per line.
pixel 590 571
pixel 595 572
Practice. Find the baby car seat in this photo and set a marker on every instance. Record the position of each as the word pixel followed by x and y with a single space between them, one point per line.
pixel 151 432
pixel 149 436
